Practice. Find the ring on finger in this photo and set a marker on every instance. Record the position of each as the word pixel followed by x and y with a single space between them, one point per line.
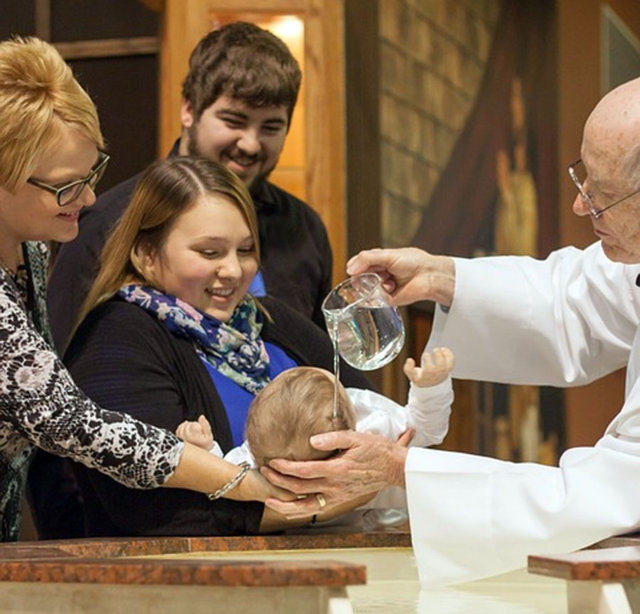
pixel 321 500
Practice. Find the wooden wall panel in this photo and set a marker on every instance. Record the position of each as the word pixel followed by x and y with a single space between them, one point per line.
pixel 325 121
pixel 183 24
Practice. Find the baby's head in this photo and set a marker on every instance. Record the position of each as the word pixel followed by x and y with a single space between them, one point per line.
pixel 297 404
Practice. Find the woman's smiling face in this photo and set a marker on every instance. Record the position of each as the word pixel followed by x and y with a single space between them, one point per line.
pixel 33 214
pixel 208 258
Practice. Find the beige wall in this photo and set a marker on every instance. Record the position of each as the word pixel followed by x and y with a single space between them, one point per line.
pixel 432 58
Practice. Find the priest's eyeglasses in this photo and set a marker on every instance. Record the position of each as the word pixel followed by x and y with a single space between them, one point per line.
pixel 66 194
pixel 578 174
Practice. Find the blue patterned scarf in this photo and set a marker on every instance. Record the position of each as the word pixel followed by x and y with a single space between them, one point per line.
pixel 234 348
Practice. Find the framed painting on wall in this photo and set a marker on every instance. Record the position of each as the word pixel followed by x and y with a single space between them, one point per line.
pixel 497 195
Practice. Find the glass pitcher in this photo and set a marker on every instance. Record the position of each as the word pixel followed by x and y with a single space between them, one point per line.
pixel 367 331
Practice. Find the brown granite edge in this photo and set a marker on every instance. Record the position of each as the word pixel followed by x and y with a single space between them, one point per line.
pixel 301 542
pixel 105 560
pixel 617 563
pixel 149 546
pixel 108 547
pixel 192 572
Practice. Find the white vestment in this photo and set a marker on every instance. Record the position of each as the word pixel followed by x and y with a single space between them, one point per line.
pixel 564 321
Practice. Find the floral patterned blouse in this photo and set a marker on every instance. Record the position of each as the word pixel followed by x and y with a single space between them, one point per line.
pixel 41 406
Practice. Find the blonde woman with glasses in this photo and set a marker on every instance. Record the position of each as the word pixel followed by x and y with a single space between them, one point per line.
pixel 51 157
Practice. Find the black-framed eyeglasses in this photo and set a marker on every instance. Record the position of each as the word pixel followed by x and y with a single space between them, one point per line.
pixel 578 174
pixel 66 194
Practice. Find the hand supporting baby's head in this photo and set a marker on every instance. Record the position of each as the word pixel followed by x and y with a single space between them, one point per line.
pixel 297 404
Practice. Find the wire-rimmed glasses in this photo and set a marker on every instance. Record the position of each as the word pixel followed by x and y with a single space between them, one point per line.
pixel 578 174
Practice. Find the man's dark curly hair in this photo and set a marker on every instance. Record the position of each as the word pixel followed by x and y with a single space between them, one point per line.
pixel 245 62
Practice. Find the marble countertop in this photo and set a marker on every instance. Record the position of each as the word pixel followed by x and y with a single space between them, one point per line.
pixel 113 560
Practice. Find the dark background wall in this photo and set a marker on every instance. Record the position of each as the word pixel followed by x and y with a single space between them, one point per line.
pixel 123 84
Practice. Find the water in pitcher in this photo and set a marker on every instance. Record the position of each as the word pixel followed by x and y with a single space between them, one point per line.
pixel 366 330
pixel 369 338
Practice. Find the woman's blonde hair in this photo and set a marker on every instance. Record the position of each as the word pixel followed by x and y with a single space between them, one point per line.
pixel 166 190
pixel 38 96
pixel 297 404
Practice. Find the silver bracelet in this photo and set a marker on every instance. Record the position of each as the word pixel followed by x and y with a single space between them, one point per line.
pixel 232 483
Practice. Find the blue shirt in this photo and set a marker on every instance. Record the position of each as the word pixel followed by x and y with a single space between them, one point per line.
pixel 257 287
pixel 236 399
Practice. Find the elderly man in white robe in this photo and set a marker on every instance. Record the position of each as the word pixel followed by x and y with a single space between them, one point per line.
pixel 563 321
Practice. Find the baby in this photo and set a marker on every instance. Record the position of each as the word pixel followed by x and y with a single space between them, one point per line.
pixel 298 403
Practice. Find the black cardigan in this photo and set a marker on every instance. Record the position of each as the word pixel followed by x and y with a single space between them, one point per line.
pixel 126 360
pixel 295 255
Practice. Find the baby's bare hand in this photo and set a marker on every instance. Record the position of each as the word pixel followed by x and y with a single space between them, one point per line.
pixel 434 369
pixel 198 433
